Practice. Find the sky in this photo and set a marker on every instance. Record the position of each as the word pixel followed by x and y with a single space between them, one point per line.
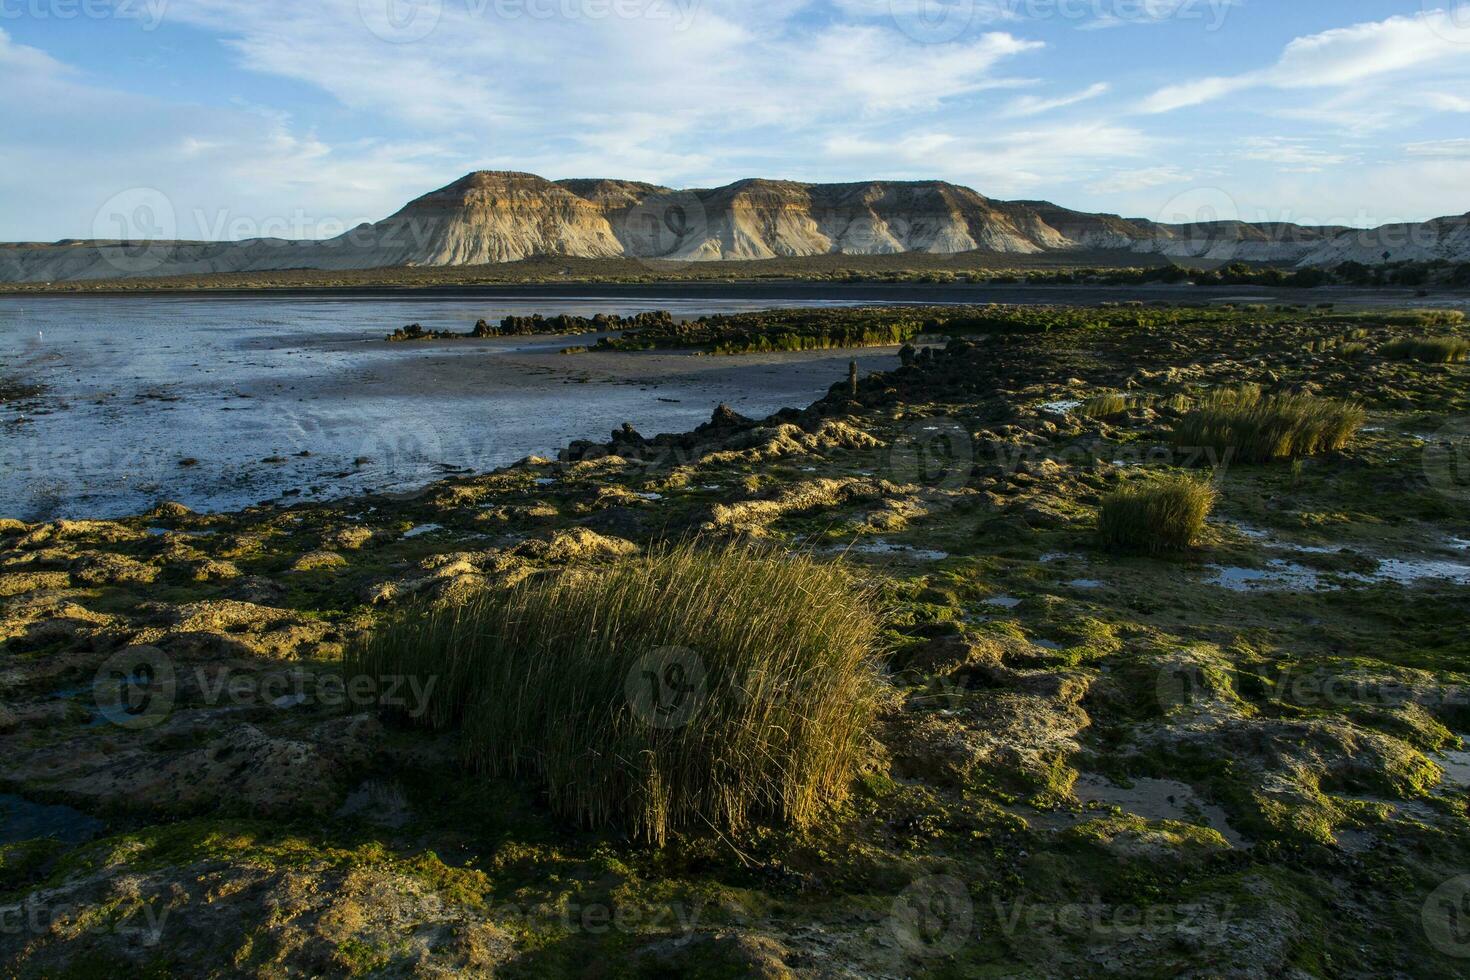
pixel 231 119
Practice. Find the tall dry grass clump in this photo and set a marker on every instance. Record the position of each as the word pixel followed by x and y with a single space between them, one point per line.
pixel 1157 515
pixel 1110 404
pixel 691 688
pixel 1258 428
pixel 1430 350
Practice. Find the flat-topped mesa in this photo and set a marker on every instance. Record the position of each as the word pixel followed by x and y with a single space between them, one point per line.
pixel 492 216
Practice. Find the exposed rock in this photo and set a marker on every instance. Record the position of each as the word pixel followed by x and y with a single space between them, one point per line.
pixel 314 561
pixel 109 569
pixel 18 583
pixel 751 517
pixel 242 770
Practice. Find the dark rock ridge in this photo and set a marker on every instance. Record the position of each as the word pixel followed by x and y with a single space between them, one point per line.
pixel 496 216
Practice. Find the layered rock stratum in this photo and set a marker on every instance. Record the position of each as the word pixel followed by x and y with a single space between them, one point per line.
pixel 495 216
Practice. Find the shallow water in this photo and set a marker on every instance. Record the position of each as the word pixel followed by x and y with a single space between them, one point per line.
pixel 22 819
pixel 224 402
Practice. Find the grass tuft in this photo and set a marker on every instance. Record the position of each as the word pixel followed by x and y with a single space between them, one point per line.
pixel 1110 404
pixel 1250 427
pixel 1430 350
pixel 688 689
pixel 1158 515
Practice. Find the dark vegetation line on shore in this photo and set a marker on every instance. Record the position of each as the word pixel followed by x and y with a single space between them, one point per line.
pixel 908 269
pixel 776 330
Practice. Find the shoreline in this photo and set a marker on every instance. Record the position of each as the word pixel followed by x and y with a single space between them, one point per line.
pixel 1062 295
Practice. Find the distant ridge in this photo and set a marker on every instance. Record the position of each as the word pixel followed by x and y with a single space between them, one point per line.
pixel 503 216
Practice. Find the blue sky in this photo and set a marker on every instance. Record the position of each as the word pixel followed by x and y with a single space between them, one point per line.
pixel 227 119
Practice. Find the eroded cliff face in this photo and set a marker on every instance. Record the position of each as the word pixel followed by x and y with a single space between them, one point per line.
pixel 491 217
pixel 498 216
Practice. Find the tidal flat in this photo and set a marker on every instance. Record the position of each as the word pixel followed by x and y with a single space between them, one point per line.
pixel 1066 755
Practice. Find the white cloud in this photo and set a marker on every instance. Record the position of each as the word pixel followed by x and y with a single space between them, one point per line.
pixel 1458 149
pixel 1292 154
pixel 1446 102
pixel 1009 164
pixel 1033 105
pixel 245 171
pixel 613 94
pixel 1138 179
pixel 1339 58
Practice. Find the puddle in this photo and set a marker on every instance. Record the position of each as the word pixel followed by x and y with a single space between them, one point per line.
pixel 1289 575
pixel 422 529
pixel 1047 644
pixel 881 547
pixel 1263 535
pixel 1157 799
pixel 1456 766
pixel 1056 556
pixel 1407 572
pixel 20 819
pixel 544 481
pixel 377 802
pixel 1062 407
pixel 1003 601
pixel 159 532
pixel 651 496
pixel 1085 583
pixel 1279 574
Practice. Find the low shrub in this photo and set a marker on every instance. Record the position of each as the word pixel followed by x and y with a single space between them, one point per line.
pixel 1156 515
pixel 688 689
pixel 1250 427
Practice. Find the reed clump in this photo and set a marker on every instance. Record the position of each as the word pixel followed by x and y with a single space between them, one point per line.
pixel 1156 515
pixel 1245 425
pixel 1429 350
pixel 692 688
